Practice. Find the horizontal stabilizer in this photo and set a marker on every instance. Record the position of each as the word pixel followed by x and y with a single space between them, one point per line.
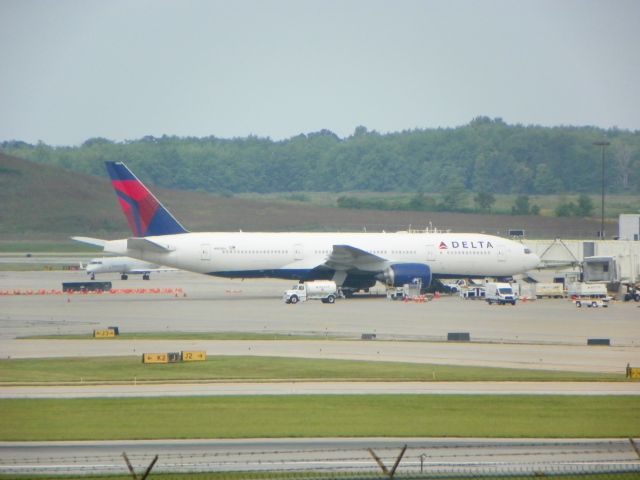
pixel 146 244
pixel 96 242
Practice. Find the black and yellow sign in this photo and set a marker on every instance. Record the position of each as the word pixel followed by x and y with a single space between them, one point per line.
pixel 174 357
pixel 155 358
pixel 194 356
pixel 633 373
pixel 106 333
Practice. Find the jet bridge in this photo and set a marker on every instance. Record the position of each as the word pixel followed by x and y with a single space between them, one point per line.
pixel 600 269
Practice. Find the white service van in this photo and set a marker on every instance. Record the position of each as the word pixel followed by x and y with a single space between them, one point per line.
pixel 499 293
pixel 323 290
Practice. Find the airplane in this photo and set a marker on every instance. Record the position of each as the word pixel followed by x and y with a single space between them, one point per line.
pixel 355 261
pixel 125 266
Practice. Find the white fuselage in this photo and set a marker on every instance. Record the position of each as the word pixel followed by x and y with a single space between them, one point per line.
pixel 288 255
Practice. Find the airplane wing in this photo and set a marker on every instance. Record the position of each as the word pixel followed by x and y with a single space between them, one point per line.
pixel 346 257
pixel 343 258
pixel 96 242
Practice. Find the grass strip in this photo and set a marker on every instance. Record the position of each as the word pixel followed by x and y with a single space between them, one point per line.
pixel 251 368
pixel 517 416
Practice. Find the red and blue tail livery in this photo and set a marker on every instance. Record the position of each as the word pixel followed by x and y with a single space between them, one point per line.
pixel 146 215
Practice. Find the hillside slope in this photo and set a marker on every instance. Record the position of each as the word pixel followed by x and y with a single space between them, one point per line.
pixel 40 201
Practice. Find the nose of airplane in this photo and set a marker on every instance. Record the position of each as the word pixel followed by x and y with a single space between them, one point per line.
pixel 533 261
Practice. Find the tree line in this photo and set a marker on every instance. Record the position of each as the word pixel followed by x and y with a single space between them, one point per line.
pixel 485 157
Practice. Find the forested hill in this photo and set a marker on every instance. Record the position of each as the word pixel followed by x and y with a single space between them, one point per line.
pixel 487 155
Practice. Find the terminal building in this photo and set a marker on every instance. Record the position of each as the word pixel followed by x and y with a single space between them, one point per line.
pixel 611 261
pixel 629 227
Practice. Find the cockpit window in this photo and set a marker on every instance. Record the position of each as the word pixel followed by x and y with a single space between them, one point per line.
pixel 527 251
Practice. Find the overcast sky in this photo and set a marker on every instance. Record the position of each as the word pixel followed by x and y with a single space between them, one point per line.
pixel 123 69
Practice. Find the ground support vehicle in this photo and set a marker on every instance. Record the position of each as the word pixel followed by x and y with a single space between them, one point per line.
pixel 587 290
pixel 549 290
pixel 633 293
pixel 473 293
pixel 592 302
pixel 323 290
pixel 500 293
pixel 408 291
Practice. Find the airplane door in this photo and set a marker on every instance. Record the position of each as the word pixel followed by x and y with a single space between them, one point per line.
pixel 298 251
pixel 205 252
pixel 431 252
pixel 501 255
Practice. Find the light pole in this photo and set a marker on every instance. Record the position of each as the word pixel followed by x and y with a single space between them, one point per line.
pixel 602 144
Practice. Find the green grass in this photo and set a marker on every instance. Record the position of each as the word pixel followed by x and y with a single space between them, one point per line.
pixel 495 416
pixel 250 368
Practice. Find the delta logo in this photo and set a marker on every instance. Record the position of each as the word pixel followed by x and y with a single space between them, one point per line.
pixel 466 244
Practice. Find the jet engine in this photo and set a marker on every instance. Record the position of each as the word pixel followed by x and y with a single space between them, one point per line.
pixel 402 273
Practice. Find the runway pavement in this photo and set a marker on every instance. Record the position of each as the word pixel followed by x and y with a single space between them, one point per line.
pixel 46 259
pixel 546 334
pixel 528 356
pixel 212 304
pixel 550 334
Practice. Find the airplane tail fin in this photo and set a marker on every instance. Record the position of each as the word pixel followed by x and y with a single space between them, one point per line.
pixel 145 214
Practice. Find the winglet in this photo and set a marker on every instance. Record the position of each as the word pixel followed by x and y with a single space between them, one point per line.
pixel 144 212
